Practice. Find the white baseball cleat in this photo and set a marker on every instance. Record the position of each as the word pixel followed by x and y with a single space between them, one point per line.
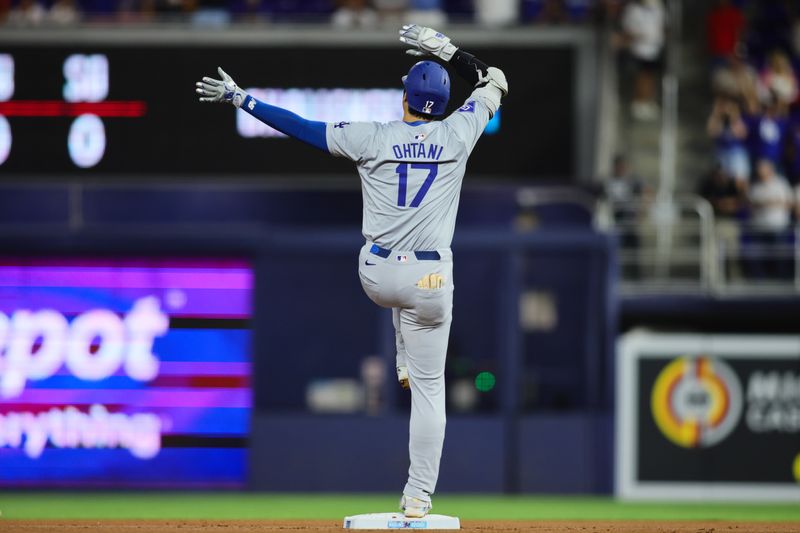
pixel 414 507
pixel 402 377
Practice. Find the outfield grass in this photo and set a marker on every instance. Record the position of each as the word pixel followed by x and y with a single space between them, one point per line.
pixel 89 505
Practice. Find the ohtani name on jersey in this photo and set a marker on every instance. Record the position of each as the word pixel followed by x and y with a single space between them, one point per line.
pixel 417 150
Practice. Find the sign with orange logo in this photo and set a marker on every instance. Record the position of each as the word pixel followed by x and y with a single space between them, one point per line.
pixel 708 417
pixel 696 401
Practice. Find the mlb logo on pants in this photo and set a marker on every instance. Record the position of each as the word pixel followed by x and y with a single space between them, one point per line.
pixel 402 258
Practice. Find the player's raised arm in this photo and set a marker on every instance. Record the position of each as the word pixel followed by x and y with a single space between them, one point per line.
pixel 427 41
pixel 226 91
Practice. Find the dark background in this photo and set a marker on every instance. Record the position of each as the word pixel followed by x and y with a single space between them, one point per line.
pixel 180 136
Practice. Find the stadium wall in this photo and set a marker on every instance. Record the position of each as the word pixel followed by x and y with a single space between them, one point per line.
pixel 545 426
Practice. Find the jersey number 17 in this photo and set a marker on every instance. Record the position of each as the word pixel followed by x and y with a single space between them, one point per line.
pixel 402 171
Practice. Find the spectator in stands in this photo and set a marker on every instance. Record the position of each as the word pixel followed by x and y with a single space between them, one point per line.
pixel 626 193
pixel 427 13
pixel 726 198
pixel 736 79
pixel 209 13
pixel 643 29
pixel 767 133
pixel 496 13
pixel 125 11
pixel 778 80
pixel 729 132
pixel 27 13
pixel 64 13
pixel 354 13
pixel 771 203
pixel 391 12
pixel 724 27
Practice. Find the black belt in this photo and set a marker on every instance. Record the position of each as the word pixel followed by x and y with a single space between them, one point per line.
pixel 421 256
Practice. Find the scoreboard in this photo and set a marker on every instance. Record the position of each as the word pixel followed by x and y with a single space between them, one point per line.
pixel 130 110
pixel 84 101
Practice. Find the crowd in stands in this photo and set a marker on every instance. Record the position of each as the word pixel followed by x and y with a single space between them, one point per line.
pixel 640 36
pixel 341 13
pixel 754 122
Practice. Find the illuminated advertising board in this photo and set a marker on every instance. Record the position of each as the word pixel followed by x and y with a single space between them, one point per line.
pixel 124 372
pixel 332 105
pixel 712 417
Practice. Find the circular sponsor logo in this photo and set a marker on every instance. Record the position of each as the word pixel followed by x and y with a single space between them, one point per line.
pixel 696 401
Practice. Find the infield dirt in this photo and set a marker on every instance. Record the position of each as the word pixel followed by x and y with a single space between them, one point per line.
pixel 241 526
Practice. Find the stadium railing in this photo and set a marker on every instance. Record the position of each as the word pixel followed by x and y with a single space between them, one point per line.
pixel 680 247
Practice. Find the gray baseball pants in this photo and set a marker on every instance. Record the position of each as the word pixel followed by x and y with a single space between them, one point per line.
pixel 422 318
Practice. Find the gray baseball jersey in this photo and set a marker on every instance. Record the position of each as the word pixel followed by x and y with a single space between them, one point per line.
pixel 411 177
pixel 411 174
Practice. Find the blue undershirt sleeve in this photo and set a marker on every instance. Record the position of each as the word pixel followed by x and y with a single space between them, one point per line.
pixel 308 131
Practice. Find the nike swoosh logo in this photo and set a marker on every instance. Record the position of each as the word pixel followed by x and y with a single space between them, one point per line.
pixel 369 264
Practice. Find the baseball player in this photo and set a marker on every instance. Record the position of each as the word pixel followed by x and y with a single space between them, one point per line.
pixel 411 173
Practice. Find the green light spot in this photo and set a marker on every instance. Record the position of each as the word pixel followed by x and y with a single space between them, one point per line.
pixel 485 381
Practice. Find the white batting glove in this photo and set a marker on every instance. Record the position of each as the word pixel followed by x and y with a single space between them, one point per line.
pixel 224 90
pixel 427 41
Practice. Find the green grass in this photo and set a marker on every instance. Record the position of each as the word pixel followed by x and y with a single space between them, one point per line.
pixel 50 505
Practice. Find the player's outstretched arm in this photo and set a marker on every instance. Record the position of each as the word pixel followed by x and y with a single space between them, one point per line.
pixel 226 91
pixel 427 41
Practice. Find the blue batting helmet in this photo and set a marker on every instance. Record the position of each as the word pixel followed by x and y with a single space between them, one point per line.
pixel 427 88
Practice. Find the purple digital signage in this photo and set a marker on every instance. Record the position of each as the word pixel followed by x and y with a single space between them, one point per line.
pixel 128 373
